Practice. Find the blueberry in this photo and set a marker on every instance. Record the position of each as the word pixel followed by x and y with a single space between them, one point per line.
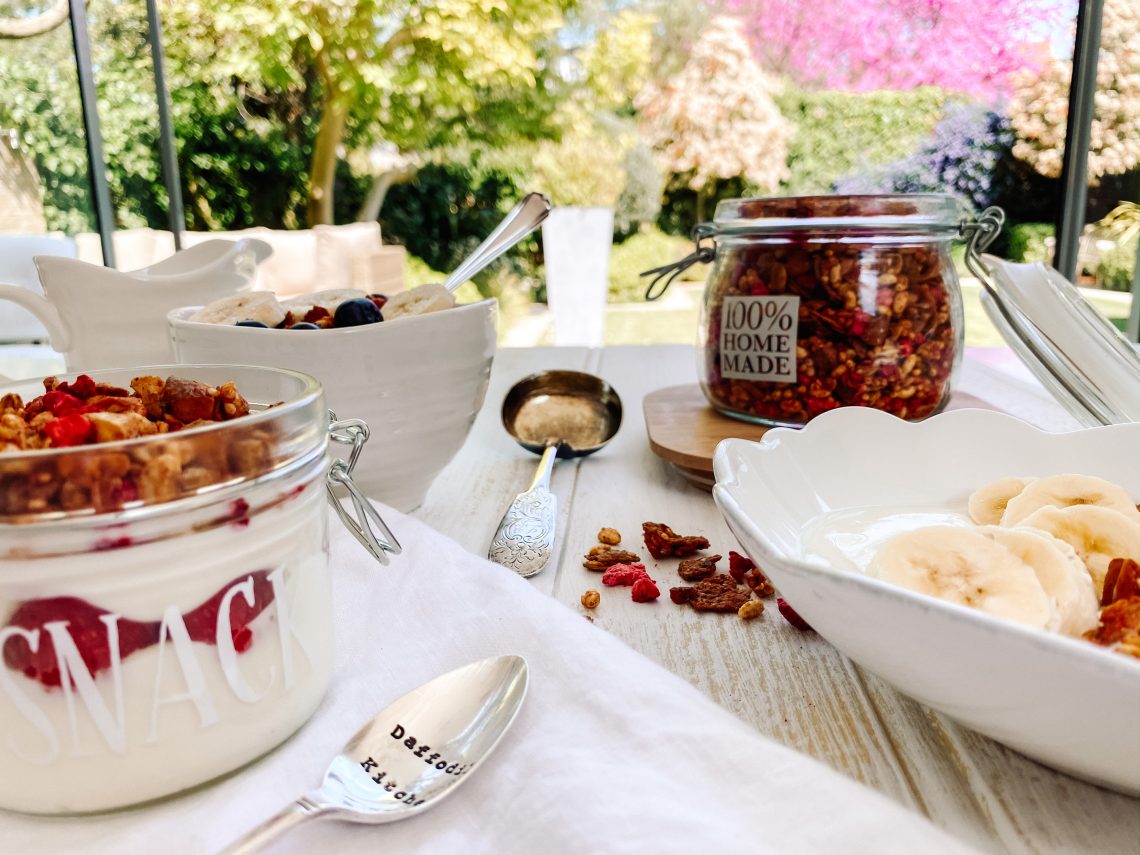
pixel 355 313
pixel 260 324
pixel 304 325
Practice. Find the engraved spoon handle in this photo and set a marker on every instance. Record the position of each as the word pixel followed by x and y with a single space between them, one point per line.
pixel 524 540
pixel 260 836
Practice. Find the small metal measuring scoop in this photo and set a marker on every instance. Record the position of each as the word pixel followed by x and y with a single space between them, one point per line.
pixel 555 414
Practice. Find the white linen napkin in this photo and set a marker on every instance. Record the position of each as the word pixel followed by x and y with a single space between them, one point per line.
pixel 610 753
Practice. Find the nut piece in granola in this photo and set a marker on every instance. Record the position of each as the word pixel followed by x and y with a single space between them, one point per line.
pixel 695 569
pixel 751 610
pixel 759 583
pixel 590 599
pixel 609 536
pixel 662 541
pixel 601 557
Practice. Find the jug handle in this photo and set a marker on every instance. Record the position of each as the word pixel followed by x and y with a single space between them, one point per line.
pixel 45 313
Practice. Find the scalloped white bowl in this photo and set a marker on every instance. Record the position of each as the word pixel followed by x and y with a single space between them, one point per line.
pixel 1062 701
pixel 418 382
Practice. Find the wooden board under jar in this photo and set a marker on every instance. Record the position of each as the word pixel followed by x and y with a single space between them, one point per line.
pixel 684 431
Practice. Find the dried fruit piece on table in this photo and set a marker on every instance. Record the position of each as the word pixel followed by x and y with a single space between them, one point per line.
pixel 601 557
pixel 759 583
pixel 751 610
pixel 610 536
pixel 624 574
pixel 791 617
pixel 738 565
pixel 717 593
pixel 1121 581
pixel 662 541
pixel 681 595
pixel 694 569
pixel 591 598
pixel 645 590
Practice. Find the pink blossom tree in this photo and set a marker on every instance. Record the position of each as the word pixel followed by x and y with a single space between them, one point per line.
pixel 970 46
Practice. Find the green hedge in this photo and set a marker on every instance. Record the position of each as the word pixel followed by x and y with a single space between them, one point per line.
pixel 1115 268
pixel 1027 242
pixel 843 133
pixel 644 250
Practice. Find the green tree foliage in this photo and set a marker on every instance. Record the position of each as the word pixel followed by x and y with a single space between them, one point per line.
pixel 843 133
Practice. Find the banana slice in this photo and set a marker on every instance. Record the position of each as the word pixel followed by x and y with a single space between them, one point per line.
pixel 1061 573
pixel 253 306
pixel 1097 534
pixel 418 301
pixel 964 566
pixel 1063 491
pixel 327 300
pixel 987 504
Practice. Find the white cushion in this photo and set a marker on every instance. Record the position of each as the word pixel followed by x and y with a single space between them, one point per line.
pixel 337 246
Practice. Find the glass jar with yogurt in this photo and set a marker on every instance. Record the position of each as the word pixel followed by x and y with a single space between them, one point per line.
pixel 165 611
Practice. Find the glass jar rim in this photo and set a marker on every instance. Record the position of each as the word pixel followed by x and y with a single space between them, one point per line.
pixel 925 212
pixel 287 427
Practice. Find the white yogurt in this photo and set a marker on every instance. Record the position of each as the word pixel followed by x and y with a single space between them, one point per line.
pixel 848 539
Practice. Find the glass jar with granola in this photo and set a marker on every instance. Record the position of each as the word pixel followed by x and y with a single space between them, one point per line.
pixel 820 302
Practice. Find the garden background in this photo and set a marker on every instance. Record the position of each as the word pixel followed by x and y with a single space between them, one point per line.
pixel 435 117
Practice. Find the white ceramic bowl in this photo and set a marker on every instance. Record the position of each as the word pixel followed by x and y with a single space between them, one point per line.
pixel 1062 701
pixel 418 382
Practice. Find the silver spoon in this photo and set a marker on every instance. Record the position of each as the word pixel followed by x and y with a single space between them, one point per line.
pixel 412 754
pixel 523 219
pixel 555 414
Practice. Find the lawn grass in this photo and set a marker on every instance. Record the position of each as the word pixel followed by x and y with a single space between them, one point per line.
pixel 634 323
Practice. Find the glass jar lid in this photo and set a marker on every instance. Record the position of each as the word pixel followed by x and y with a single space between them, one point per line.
pixel 1082 359
pixel 927 212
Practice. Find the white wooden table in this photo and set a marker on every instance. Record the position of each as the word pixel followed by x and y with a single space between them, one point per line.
pixel 792 687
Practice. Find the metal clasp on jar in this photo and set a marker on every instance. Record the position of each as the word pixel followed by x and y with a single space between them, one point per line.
pixel 366 524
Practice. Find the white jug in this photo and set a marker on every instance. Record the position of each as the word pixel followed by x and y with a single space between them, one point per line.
pixel 98 317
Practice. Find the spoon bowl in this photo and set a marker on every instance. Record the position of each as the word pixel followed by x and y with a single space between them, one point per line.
pixel 574 410
pixel 413 754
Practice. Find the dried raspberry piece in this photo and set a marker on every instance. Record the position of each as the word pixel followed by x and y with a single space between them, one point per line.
pixel 81 387
pixel 645 590
pixel 61 403
pixel 790 615
pixel 738 565
pixel 86 629
pixel 662 541
pixel 73 429
pixel 202 621
pixel 624 574
pixel 694 569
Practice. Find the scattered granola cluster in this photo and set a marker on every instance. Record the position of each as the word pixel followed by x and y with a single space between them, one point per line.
pixel 710 592
pixel 85 413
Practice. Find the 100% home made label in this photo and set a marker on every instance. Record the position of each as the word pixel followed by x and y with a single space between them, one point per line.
pixel 758 338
